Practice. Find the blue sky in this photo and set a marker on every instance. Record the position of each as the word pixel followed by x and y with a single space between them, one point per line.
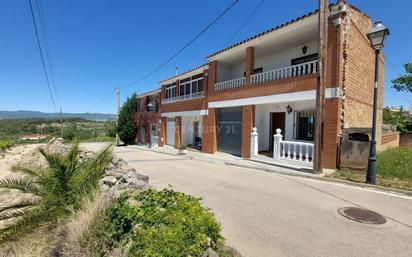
pixel 97 45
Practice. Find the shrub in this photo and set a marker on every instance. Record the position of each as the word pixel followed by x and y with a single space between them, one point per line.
pixel 5 144
pixel 395 163
pixel 53 190
pixel 158 223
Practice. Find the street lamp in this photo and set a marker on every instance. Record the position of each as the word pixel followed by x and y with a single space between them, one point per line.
pixel 377 36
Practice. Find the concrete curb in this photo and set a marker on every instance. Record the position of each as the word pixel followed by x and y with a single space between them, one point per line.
pixel 295 173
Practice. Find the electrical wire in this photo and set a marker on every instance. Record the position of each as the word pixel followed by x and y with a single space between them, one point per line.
pixel 43 29
pixel 244 24
pixel 173 56
pixel 42 56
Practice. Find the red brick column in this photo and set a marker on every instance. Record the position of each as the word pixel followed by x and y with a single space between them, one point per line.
pixel 250 63
pixel 177 88
pixel 211 79
pixel 162 133
pixel 248 113
pixel 178 130
pixel 330 133
pixel 147 131
pixel 209 136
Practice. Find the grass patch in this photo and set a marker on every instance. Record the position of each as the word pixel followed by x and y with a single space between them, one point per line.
pixel 394 169
pixel 5 144
pixel 154 223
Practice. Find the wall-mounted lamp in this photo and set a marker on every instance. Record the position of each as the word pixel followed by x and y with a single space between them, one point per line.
pixel 289 109
pixel 150 105
pixel 304 49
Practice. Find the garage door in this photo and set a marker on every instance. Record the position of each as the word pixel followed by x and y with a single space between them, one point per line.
pixel 170 131
pixel 230 130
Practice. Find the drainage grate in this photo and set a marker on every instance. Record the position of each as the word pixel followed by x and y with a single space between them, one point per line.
pixel 362 215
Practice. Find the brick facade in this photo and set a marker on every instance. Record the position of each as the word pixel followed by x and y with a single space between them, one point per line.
pixel 349 68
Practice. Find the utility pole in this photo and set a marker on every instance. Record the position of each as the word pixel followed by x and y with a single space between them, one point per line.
pixel 117 114
pixel 321 83
pixel 61 123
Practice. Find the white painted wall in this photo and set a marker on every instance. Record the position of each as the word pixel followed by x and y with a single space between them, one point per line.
pixel 283 58
pixel 262 120
pixel 187 128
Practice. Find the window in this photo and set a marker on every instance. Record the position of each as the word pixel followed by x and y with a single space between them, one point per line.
pixel 170 90
pixel 191 85
pixel 304 125
pixel 255 71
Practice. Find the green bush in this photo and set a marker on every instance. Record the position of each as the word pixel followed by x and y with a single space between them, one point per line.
pixel 395 163
pixel 159 223
pixel 5 144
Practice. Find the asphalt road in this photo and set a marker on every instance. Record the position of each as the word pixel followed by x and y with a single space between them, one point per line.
pixel 268 214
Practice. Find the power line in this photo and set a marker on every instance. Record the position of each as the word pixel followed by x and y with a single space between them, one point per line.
pixel 42 23
pixel 185 46
pixel 173 56
pixel 101 101
pixel 42 56
pixel 245 23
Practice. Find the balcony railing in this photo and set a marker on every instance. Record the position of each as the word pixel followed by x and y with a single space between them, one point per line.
pixel 278 74
pixel 183 97
pixel 286 72
pixel 229 84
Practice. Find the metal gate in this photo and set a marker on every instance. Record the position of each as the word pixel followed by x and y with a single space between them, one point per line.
pixel 230 130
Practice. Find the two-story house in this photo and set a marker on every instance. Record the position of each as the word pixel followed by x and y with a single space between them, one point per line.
pixel 268 82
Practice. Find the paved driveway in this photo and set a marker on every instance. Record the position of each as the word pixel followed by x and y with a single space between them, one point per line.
pixel 267 214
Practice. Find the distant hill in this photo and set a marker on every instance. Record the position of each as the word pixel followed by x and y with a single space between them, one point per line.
pixel 36 114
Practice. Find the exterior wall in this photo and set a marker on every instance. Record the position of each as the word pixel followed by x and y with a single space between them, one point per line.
pixel 290 85
pixel 178 130
pixel 248 113
pixel 162 133
pixel 330 143
pixel 360 59
pixel 388 141
pixel 283 58
pixel 188 105
pixel 262 120
pixel 209 137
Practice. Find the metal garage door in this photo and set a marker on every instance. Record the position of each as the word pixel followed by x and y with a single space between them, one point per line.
pixel 230 130
pixel 170 134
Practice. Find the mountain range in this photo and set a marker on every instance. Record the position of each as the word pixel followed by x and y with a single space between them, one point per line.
pixel 36 114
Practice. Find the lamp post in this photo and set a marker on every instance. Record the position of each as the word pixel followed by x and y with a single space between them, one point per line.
pixel 377 36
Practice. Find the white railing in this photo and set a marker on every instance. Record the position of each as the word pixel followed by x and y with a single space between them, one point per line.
pixel 183 97
pixel 292 150
pixel 229 84
pixel 286 72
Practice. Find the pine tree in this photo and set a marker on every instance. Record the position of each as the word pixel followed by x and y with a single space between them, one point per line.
pixel 127 126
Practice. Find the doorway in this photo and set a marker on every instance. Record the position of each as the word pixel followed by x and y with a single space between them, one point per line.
pixel 277 120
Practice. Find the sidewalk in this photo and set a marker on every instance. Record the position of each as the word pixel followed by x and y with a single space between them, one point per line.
pixel 226 159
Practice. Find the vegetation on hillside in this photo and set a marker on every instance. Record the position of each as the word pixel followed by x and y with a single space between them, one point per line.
pixel 398 120
pixel 153 223
pixel 127 126
pixel 393 169
pixel 50 192
pixel 74 129
pixel 5 144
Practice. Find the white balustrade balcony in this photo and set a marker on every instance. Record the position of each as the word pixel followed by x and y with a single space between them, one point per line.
pixel 183 97
pixel 286 72
pixel 229 84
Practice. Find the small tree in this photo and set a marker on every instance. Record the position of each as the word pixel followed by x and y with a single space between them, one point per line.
pixel 404 82
pixel 126 121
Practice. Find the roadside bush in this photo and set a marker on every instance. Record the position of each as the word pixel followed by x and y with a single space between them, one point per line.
pixel 395 163
pixel 52 191
pixel 156 223
pixel 5 144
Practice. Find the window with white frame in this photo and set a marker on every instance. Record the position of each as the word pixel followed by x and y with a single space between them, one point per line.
pixel 304 125
pixel 170 90
pixel 191 85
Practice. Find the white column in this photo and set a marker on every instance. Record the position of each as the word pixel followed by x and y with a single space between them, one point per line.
pixel 254 143
pixel 277 138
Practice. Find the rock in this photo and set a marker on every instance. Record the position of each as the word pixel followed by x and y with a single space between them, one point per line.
pixel 104 188
pixel 230 251
pixel 109 180
pixel 116 172
pixel 210 253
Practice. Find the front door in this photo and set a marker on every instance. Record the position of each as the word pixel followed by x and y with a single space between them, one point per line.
pixel 277 120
